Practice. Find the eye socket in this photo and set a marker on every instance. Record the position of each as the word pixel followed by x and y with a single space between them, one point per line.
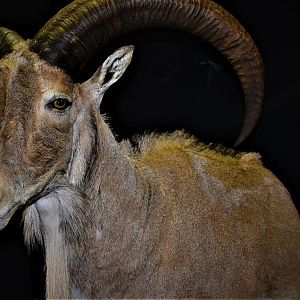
pixel 59 104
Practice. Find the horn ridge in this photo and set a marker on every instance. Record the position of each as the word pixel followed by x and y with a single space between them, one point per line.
pixel 84 26
pixel 9 40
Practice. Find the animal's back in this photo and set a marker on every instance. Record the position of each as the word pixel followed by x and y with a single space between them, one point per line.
pixel 229 226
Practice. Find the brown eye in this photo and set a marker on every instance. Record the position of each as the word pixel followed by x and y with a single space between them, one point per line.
pixel 60 104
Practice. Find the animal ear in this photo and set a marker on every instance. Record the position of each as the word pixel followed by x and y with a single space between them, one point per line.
pixel 113 68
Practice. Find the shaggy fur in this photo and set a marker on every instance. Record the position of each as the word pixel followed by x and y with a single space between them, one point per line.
pixel 170 218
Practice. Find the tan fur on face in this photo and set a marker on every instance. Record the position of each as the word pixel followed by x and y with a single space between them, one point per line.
pixel 34 140
pixel 35 144
pixel 171 218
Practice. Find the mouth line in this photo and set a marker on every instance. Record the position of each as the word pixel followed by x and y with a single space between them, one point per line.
pixel 36 192
pixel 52 183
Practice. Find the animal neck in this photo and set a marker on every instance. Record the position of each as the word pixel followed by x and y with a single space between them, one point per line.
pixel 100 169
pixel 98 165
pixel 117 204
pixel 113 173
pixel 112 183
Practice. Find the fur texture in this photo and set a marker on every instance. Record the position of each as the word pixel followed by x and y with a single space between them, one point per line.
pixel 170 218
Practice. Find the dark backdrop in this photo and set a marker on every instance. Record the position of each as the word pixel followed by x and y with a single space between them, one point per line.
pixel 177 81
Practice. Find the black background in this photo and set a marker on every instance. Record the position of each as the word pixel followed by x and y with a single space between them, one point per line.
pixel 177 81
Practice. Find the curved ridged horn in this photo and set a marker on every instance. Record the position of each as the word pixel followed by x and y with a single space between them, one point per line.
pixel 8 41
pixel 70 38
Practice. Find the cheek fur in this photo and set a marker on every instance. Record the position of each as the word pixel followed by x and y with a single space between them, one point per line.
pixel 48 147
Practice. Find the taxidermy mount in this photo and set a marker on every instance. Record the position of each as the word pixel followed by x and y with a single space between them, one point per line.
pixel 167 218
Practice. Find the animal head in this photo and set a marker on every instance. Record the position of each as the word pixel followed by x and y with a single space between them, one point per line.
pixel 42 112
